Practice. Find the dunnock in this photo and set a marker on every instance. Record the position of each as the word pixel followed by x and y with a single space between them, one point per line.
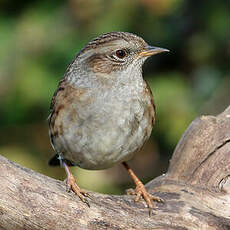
pixel 103 111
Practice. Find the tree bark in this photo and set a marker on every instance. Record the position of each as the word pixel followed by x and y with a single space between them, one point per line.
pixel 196 190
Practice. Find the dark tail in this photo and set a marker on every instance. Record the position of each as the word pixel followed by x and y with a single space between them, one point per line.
pixel 54 161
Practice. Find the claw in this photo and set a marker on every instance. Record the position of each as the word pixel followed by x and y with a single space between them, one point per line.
pixel 141 191
pixel 138 196
pixel 72 185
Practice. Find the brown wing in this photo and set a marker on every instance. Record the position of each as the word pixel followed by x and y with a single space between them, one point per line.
pixel 152 107
pixel 61 107
pixel 60 88
pixel 63 97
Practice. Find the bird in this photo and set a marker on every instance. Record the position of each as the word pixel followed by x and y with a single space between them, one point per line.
pixel 103 110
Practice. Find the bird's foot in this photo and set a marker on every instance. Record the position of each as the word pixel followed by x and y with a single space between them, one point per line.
pixel 72 185
pixel 141 191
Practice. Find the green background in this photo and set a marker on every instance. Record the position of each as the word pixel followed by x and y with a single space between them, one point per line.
pixel 38 39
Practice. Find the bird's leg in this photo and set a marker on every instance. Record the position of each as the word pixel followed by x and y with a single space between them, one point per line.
pixel 72 185
pixel 141 190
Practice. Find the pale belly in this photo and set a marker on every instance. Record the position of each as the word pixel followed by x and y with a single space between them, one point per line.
pixel 103 139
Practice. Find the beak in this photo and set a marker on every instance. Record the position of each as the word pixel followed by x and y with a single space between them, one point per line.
pixel 151 50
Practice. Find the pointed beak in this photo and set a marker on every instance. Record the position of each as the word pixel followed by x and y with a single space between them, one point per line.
pixel 151 50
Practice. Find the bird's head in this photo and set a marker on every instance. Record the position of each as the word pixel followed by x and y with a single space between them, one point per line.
pixel 116 51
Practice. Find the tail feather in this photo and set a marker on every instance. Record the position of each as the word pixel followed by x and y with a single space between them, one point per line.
pixel 55 161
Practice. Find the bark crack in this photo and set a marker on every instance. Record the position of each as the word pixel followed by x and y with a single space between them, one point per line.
pixel 208 156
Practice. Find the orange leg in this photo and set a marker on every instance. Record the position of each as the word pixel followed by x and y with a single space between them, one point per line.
pixel 141 190
pixel 72 185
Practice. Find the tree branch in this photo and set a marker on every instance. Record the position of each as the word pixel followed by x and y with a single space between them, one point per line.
pixel 196 190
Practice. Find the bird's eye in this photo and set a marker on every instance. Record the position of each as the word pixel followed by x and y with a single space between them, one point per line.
pixel 121 53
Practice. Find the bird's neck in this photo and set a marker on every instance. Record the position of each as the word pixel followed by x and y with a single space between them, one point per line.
pixel 129 79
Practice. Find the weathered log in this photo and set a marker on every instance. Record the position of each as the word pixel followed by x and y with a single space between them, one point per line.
pixel 196 190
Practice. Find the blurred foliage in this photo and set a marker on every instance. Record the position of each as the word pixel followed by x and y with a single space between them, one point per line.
pixel 38 39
